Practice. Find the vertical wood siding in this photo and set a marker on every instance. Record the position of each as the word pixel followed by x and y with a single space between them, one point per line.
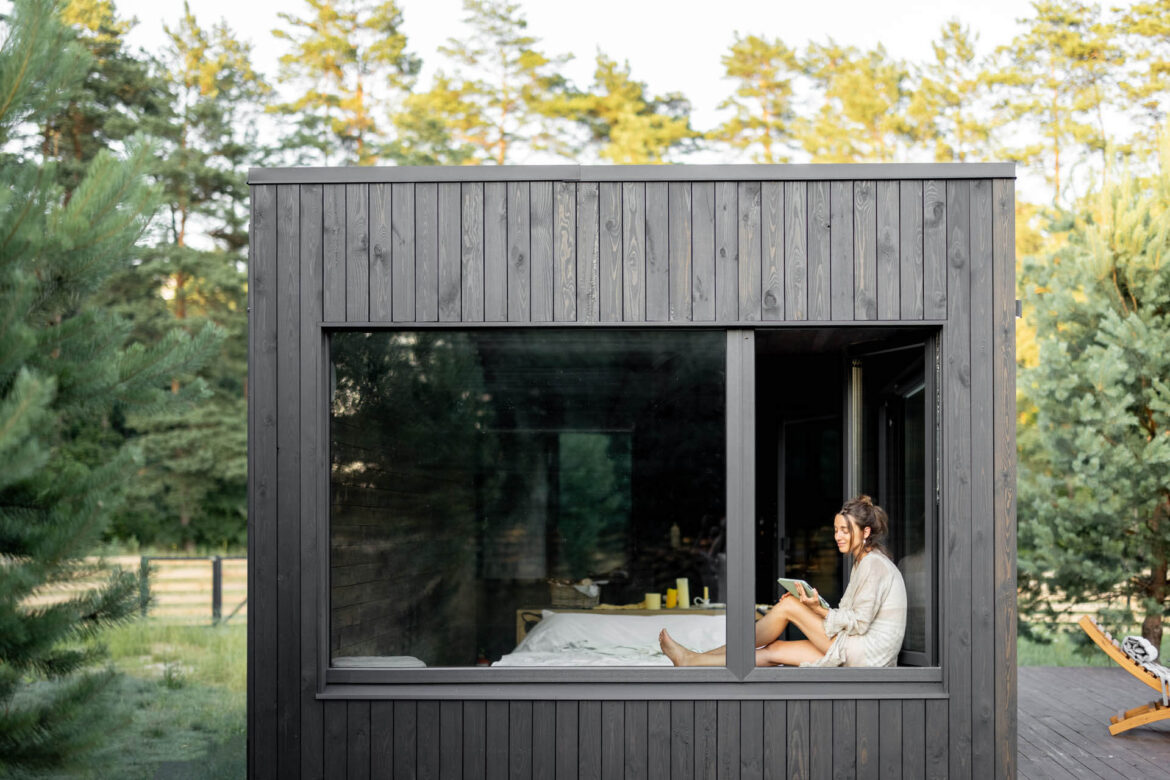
pixel 739 252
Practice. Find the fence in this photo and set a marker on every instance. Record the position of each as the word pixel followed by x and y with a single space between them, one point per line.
pixel 188 589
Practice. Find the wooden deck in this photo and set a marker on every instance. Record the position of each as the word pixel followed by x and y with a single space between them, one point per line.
pixel 1063 726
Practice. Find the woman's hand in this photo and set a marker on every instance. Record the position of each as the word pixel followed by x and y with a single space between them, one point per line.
pixel 813 601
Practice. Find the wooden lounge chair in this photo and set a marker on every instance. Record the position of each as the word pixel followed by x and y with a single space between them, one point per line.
pixel 1138 716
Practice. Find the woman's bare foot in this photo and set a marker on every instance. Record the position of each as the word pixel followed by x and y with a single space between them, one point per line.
pixel 678 655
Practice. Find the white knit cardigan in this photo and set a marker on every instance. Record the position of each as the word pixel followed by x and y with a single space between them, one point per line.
pixel 868 626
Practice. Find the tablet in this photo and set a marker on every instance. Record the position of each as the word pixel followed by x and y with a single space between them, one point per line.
pixel 790 586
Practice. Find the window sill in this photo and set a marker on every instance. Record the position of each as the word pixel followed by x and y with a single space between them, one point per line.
pixel 633 684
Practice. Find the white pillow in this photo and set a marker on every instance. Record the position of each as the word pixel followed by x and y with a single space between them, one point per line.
pixel 561 631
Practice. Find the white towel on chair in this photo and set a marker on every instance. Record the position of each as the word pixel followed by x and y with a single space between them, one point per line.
pixel 1139 649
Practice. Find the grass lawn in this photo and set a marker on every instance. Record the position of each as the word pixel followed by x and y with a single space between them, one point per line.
pixel 184 695
pixel 1065 650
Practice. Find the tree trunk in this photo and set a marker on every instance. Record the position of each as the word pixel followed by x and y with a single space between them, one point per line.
pixel 1152 625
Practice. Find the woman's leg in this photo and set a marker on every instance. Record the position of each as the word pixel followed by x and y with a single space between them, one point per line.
pixel 681 656
pixel 787 653
pixel 768 629
pixel 790 610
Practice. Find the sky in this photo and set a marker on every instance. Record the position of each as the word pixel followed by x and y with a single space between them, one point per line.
pixel 671 45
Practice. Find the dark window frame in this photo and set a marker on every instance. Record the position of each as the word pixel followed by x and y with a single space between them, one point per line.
pixel 740 679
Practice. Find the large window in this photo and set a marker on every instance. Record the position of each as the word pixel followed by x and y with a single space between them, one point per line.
pixel 534 497
pixel 499 496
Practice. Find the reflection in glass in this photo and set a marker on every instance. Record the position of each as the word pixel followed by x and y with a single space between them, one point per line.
pixel 468 469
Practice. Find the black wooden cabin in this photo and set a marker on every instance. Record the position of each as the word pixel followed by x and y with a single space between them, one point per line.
pixel 464 381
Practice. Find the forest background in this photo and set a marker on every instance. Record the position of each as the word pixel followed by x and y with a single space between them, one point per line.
pixel 1078 97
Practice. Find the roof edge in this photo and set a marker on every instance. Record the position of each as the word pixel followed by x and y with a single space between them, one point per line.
pixel 599 173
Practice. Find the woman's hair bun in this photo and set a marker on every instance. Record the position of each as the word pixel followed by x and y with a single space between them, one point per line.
pixel 865 499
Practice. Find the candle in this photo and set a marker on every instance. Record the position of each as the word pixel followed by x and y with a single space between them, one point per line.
pixel 706 595
pixel 684 593
pixel 671 598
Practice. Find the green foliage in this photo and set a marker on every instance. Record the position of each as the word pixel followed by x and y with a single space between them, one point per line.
pixel 947 105
pixel 1144 28
pixel 66 370
pixel 352 60
pixel 627 125
pixel 1055 82
pixel 505 93
pixel 1094 472
pixel 763 71
pixel 862 114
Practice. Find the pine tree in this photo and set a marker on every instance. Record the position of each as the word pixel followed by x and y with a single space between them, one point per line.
pixel 65 364
pixel 949 100
pixel 1144 28
pixel 118 96
pixel 505 95
pixel 1055 82
pixel 864 99
pixel 193 480
pixel 1094 507
pixel 763 71
pixel 625 124
pixel 352 60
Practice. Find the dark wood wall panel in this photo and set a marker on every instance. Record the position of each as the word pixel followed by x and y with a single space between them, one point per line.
pixel 888 246
pixel 934 249
pixel 495 251
pixel 841 250
pixel 541 249
pixel 471 259
pixel 772 249
pixel 519 252
pixel 288 409
pixel 982 486
pixel 610 216
pixel 402 251
pixel 546 251
pixel 588 253
pixel 333 241
pixel 657 250
pixel 819 240
pixel 450 263
pixel 634 252
pixel 381 251
pixel 310 737
pixel 565 252
pixel 426 252
pixel 864 251
pixel 636 740
pixel 726 252
pixel 679 248
pixel 795 250
pixel 957 560
pixel 703 251
pixel 1004 416
pixel 910 238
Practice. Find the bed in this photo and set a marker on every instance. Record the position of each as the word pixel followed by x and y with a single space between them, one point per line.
pixel 583 639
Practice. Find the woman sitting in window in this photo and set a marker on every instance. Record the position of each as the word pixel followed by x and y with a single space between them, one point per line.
pixel 865 630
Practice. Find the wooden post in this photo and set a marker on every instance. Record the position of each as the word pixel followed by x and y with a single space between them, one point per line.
pixel 144 584
pixel 216 589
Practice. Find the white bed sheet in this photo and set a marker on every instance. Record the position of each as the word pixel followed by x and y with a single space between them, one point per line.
pixel 581 639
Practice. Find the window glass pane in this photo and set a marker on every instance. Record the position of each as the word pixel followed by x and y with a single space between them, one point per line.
pixel 511 497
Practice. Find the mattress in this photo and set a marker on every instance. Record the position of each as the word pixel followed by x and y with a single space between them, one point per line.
pixel 581 639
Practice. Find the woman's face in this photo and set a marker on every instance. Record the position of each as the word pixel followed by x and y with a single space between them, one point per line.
pixel 846 535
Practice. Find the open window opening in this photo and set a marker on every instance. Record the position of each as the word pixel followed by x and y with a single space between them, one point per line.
pixel 842 412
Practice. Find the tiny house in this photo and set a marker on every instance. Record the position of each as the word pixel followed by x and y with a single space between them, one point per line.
pixel 505 424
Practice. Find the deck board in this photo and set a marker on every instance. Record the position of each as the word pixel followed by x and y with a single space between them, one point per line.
pixel 1063 720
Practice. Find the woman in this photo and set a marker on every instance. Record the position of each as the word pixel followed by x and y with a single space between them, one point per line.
pixel 865 630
